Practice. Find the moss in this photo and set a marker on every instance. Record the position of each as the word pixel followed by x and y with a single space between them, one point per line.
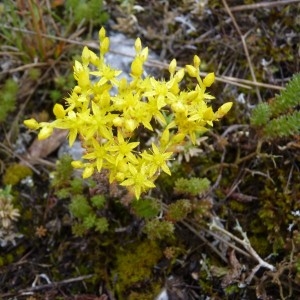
pixel 159 229
pixel 63 173
pixel 179 210
pixel 134 265
pixel 15 173
pixel 148 295
pixel 193 186
pixel 261 245
pixel 238 206
pixel 87 10
pixel 8 98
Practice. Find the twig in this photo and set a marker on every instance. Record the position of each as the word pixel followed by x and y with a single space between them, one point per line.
pixel 249 82
pixel 244 46
pixel 262 5
pixel 27 66
pixel 196 232
pixel 46 286
pixel 223 240
pixel 246 244
pixel 200 236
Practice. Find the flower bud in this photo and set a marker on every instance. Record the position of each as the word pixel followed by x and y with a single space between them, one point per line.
pixel 102 33
pixel 59 111
pixel 197 61
pixel 88 172
pixel 45 132
pixel 137 67
pixel 77 89
pixel 83 78
pixel 144 54
pixel 179 75
pixel 172 66
pixel 118 121
pixel 165 138
pixel 130 125
pixel 138 45
pixel 77 164
pixel 120 176
pixel 209 79
pixel 32 124
pixel 178 107
pixel 94 59
pixel 85 56
pixel 223 110
pixel 178 138
pixel 104 46
pixel 192 71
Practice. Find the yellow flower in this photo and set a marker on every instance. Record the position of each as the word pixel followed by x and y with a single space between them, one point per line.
pixel 71 123
pixel 138 179
pixel 123 149
pixel 157 160
pixel 98 154
pixel 107 75
pixel 81 74
pixel 109 112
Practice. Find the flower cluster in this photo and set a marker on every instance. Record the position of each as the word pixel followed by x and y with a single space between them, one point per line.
pixel 106 111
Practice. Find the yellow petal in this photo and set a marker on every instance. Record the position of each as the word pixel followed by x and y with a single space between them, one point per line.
pixel 209 115
pixel 72 136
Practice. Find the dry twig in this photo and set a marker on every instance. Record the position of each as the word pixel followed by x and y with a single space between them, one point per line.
pixel 244 46
pixel 263 5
